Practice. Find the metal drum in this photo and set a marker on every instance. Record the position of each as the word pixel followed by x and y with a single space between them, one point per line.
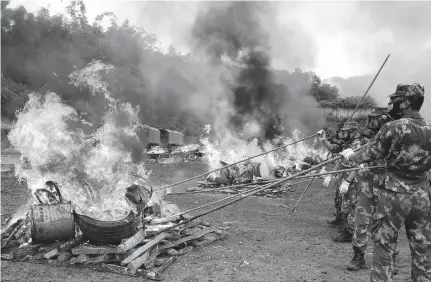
pixel 107 232
pixel 52 222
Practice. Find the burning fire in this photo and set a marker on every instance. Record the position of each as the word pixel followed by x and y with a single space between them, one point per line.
pixel 231 149
pixel 92 173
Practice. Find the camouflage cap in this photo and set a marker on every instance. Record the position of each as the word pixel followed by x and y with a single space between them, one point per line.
pixel 350 125
pixel 378 111
pixel 408 90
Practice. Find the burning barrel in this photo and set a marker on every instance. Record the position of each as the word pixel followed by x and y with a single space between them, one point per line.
pixel 106 232
pixel 52 222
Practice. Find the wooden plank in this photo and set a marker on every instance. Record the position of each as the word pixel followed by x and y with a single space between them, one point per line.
pixel 165 219
pixel 145 248
pixel 71 244
pixel 6 222
pixel 23 251
pixel 174 235
pixel 131 242
pixel 51 254
pixel 64 256
pixel 205 223
pixel 13 232
pixel 49 247
pixel 6 233
pixel 136 263
pixel 6 256
pixel 100 259
pixel 79 259
pixel 160 261
pixel 189 238
pixel 93 250
pixel 149 264
pixel 165 265
pixel 11 245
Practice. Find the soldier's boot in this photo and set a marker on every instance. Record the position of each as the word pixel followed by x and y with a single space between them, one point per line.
pixel 395 263
pixel 337 221
pixel 358 261
pixel 343 236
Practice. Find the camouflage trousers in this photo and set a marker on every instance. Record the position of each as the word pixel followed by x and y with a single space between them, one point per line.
pixel 348 207
pixel 393 210
pixel 338 199
pixel 367 199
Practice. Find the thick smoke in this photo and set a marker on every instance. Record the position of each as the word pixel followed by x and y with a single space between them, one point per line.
pixel 234 33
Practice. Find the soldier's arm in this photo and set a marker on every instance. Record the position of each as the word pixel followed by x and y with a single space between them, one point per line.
pixel 327 145
pixel 332 147
pixel 378 148
pixel 351 176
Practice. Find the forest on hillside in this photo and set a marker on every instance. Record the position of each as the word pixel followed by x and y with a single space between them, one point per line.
pixel 39 51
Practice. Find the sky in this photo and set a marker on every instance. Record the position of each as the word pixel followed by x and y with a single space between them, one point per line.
pixel 333 39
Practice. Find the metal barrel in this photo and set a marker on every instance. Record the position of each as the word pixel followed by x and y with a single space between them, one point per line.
pixel 106 232
pixel 52 222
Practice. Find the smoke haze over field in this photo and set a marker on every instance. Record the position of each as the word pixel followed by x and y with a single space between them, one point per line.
pixel 335 39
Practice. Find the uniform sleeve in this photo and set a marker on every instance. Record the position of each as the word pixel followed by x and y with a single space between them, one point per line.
pixel 378 148
pixel 336 148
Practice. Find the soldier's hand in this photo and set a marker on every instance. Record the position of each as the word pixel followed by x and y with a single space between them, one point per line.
pixel 347 153
pixel 322 134
pixel 363 169
pixel 327 180
pixel 344 187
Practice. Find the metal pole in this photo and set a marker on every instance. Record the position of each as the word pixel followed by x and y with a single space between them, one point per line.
pixel 204 174
pixel 255 191
pixel 369 87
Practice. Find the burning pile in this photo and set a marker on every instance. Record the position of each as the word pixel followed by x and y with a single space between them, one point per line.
pixel 134 246
pixel 92 205
pixel 253 112
pixel 257 171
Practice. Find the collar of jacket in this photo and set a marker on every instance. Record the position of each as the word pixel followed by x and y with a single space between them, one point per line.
pixel 414 115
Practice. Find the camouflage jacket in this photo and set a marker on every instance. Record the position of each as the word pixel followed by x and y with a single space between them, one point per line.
pixel 353 144
pixel 405 147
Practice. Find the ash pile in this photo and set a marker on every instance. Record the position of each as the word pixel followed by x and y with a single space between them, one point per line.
pixel 143 244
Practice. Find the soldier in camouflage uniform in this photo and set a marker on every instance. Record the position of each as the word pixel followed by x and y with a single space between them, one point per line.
pixel 404 198
pixel 367 194
pixel 334 145
pixel 348 188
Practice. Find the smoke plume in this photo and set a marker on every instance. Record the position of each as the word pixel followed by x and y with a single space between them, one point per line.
pixel 234 34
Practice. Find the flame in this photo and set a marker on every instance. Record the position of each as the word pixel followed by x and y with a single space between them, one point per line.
pixel 231 149
pixel 186 148
pixel 93 175
pixel 156 150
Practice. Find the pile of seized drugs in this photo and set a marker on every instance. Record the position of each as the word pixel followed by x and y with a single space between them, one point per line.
pixel 142 245
pixel 239 179
pixel 279 191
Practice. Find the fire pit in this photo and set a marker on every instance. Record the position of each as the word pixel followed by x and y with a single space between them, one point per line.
pixel 121 246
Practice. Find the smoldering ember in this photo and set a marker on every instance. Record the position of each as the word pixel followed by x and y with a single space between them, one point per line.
pixel 213 141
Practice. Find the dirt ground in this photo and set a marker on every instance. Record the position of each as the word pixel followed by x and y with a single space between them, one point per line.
pixel 266 242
